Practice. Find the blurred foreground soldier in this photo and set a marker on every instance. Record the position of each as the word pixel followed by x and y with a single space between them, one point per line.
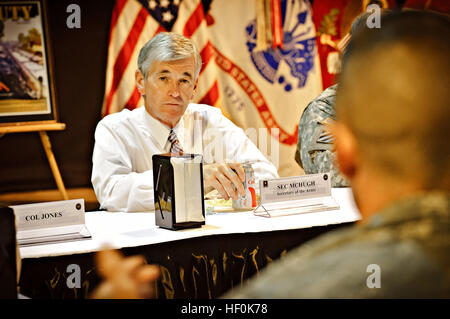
pixel 393 148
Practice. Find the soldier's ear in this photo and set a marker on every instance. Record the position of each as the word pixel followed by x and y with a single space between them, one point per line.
pixel 346 148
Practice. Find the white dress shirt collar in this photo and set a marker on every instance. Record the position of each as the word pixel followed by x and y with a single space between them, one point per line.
pixel 161 131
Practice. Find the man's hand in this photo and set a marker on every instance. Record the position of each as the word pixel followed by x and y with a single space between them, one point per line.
pixel 226 178
pixel 124 277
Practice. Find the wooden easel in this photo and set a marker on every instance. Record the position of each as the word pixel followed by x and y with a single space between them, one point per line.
pixel 42 128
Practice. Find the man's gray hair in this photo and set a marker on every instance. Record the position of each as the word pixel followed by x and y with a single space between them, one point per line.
pixel 168 46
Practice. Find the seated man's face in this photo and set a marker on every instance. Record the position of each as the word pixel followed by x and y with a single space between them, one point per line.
pixel 168 89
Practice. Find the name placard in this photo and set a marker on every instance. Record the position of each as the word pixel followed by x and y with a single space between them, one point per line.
pixel 50 221
pixel 295 195
pixel 295 188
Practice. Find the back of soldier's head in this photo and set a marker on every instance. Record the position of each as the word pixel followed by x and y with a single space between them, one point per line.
pixel 393 95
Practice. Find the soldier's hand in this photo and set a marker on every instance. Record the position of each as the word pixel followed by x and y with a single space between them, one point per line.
pixel 124 277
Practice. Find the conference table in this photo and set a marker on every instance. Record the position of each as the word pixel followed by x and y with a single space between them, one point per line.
pixel 199 262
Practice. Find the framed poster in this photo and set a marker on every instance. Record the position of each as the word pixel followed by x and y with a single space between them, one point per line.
pixel 26 92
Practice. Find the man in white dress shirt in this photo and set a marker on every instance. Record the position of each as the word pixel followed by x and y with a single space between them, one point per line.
pixel 122 176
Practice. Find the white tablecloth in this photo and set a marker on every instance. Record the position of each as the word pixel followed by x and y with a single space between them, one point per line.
pixel 120 230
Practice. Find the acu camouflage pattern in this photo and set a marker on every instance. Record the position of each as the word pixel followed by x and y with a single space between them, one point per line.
pixel 409 240
pixel 314 147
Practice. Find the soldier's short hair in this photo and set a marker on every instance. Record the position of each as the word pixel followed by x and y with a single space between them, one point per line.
pixel 393 94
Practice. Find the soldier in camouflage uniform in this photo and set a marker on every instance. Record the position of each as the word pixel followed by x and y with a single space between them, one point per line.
pixel 393 148
pixel 314 147
pixel 408 243
pixel 314 151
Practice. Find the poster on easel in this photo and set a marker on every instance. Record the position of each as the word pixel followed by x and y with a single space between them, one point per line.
pixel 26 91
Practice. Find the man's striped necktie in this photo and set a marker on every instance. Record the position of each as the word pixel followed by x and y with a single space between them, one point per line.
pixel 175 148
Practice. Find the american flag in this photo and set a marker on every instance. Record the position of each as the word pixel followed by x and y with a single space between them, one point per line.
pixel 133 23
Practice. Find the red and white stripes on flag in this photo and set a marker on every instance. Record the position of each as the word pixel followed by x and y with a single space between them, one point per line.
pixel 131 27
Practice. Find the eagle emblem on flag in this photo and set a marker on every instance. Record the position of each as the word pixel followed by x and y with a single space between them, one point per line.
pixel 297 52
